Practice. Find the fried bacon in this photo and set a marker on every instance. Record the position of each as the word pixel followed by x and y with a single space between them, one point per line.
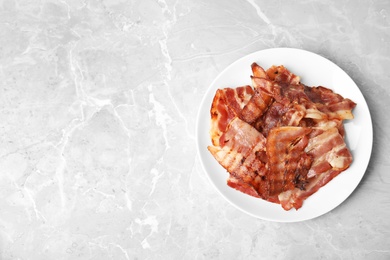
pixel 259 102
pixel 330 157
pixel 288 163
pixel 258 71
pixel 330 103
pixel 329 151
pixel 282 75
pixel 295 198
pixel 280 141
pixel 242 153
pixel 227 104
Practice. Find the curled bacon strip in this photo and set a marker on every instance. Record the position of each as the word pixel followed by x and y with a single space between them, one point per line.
pixel 259 102
pixel 227 104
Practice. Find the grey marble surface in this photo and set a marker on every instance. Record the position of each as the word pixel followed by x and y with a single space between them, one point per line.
pixel 98 104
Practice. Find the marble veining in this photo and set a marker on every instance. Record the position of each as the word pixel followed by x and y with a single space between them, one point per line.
pixel 98 106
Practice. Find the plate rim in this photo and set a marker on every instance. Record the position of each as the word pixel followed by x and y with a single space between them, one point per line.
pixel 198 133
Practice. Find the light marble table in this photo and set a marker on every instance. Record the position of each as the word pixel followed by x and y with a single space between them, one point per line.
pixel 98 109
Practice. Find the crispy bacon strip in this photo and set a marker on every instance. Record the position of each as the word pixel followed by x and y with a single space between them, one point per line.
pixel 227 104
pixel 330 157
pixel 238 184
pixel 295 198
pixel 329 151
pixel 259 102
pixel 258 71
pixel 330 103
pixel 291 107
pixel 241 153
pixel 327 124
pixel 288 164
pixel 279 114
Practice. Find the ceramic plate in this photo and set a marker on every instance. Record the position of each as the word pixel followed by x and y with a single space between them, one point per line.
pixel 314 70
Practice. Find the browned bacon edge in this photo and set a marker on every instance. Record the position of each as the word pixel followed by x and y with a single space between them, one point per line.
pixel 242 154
pixel 259 102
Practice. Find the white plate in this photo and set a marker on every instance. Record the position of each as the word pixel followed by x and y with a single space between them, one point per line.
pixel 314 70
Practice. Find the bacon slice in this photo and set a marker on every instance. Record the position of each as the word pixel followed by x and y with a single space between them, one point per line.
pixel 330 103
pixel 280 114
pixel 227 104
pixel 241 153
pixel 292 90
pixel 329 151
pixel 327 124
pixel 288 163
pixel 258 71
pixel 330 157
pixel 259 102
pixel 295 198
pixel 238 184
